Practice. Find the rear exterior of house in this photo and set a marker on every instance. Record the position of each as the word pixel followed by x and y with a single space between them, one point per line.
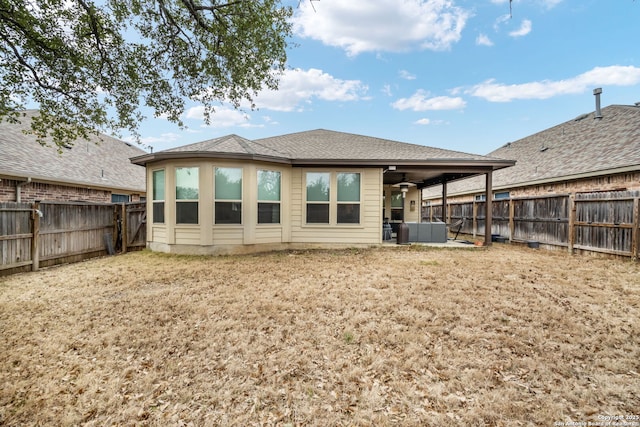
pixel 225 206
pixel 316 188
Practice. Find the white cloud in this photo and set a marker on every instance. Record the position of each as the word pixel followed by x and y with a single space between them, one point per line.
pixel 425 122
pixel 386 89
pixel 525 28
pixel 615 75
pixel 483 40
pixel 404 74
pixel 420 101
pixel 300 87
pixel 382 25
pixel 165 139
pixel 501 20
pixel 223 117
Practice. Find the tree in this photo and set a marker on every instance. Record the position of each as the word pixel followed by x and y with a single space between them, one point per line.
pixel 94 66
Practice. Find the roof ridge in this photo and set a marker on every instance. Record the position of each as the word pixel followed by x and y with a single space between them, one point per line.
pixel 243 143
pixel 285 155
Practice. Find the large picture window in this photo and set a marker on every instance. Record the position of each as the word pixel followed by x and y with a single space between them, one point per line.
pixel 269 197
pixel 348 198
pixel 158 197
pixel 228 196
pixel 187 184
pixel 318 197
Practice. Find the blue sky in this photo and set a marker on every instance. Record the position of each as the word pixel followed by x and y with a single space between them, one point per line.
pixel 461 75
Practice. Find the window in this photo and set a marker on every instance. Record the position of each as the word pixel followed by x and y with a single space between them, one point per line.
pixel 397 206
pixel 119 198
pixel 480 197
pixel 348 198
pixel 323 208
pixel 501 196
pixel 187 184
pixel 228 196
pixel 158 197
pixel 318 197
pixel 268 197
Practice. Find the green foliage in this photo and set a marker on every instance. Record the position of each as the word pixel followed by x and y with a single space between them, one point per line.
pixel 93 66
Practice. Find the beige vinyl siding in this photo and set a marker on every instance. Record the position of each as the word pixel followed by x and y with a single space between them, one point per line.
pixel 369 231
pixel 269 234
pixel 158 234
pixel 228 235
pixel 412 216
pixel 187 235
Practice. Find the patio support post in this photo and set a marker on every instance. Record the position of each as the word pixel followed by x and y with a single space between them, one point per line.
pixel 445 211
pixel 488 208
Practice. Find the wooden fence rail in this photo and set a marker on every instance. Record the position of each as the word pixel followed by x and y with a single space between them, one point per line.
pixel 41 234
pixel 606 222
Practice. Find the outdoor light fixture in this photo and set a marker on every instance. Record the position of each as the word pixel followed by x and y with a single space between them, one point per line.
pixel 404 185
pixel 404 188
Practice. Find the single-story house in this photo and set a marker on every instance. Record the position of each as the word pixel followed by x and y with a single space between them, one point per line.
pixel 320 187
pixel 94 170
pixel 596 151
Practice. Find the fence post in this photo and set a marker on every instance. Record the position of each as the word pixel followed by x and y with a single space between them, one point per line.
pixel 635 232
pixel 475 218
pixel 35 236
pixel 571 232
pixel 123 229
pixel 512 222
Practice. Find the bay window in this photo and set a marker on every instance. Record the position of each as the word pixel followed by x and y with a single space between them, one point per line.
pixel 269 183
pixel 228 195
pixel 158 196
pixel 187 185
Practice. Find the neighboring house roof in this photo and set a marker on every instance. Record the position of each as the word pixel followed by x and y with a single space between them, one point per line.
pixel 101 162
pixel 419 164
pixel 582 147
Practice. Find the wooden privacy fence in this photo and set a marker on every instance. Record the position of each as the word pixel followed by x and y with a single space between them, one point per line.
pixel 41 234
pixel 607 222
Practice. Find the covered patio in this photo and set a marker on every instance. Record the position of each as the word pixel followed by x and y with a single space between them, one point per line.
pixel 409 175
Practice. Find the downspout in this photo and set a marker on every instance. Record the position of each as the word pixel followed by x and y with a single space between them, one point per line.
pixel 18 186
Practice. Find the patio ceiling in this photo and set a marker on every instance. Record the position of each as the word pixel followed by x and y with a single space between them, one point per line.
pixel 429 176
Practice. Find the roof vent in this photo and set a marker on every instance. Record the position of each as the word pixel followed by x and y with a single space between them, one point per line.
pixel 597 93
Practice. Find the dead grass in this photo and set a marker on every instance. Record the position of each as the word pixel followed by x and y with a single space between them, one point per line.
pixel 392 336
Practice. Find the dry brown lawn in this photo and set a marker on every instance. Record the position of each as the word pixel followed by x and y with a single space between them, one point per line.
pixel 388 336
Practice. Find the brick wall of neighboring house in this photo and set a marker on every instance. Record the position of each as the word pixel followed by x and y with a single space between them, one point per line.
pixel 52 192
pixel 624 181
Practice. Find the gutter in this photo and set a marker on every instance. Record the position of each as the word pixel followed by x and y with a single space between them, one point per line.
pixel 18 186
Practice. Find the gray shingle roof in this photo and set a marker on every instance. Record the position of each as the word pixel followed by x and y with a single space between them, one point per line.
pixel 100 162
pixel 326 144
pixel 578 147
pixel 231 144
pixel 318 146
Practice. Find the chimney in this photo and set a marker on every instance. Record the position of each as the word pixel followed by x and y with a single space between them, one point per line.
pixel 597 93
